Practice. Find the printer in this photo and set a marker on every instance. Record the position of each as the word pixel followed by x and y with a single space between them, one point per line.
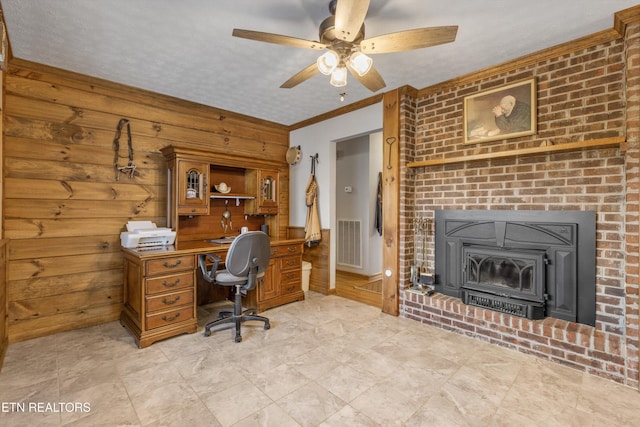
pixel 145 234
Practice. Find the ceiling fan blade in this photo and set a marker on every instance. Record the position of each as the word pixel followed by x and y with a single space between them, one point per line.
pixel 349 18
pixel 277 39
pixel 409 40
pixel 303 75
pixel 372 80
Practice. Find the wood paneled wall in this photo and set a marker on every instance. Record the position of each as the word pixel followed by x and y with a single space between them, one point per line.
pixel 318 256
pixel 4 337
pixel 4 342
pixel 64 207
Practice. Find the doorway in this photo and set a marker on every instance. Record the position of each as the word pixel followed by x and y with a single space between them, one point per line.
pixel 358 235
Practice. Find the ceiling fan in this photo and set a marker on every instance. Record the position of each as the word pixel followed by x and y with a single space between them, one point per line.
pixel 342 35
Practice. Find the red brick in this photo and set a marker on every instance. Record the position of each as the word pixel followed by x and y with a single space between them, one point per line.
pixel 581 97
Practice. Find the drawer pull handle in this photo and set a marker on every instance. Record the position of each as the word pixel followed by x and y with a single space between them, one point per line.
pixel 167 265
pixel 170 302
pixel 170 319
pixel 291 262
pixel 170 285
pixel 291 288
pixel 291 250
pixel 291 275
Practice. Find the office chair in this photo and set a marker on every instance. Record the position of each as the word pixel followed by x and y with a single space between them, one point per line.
pixel 246 263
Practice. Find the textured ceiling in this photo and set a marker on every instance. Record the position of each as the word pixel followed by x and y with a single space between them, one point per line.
pixel 185 48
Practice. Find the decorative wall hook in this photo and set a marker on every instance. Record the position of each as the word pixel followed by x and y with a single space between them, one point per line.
pixel 391 140
pixel 314 160
pixel 130 169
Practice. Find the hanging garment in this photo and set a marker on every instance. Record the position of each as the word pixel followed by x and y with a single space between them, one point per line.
pixel 378 219
pixel 312 231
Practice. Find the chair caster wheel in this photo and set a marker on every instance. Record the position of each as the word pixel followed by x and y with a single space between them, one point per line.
pixel 267 326
pixel 207 333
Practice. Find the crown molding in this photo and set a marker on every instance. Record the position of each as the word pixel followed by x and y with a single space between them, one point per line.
pixel 621 20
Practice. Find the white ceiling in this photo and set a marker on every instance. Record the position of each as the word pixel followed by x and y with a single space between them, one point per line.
pixel 185 48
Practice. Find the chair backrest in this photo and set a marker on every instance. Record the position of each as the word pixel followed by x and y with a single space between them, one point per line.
pixel 249 255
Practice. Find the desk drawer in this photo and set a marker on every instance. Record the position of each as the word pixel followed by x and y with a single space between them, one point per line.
pixel 288 277
pixel 169 317
pixel 170 283
pixel 286 250
pixel 169 301
pixel 290 281
pixel 290 263
pixel 158 267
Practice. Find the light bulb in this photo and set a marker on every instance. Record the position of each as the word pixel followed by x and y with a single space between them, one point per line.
pixel 328 62
pixel 360 62
pixel 339 76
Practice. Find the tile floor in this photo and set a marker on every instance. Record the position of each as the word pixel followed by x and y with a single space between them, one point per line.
pixel 327 361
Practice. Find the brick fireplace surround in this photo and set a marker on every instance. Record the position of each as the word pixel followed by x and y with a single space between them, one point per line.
pixel 585 91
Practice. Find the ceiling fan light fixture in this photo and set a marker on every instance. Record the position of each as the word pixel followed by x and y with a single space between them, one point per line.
pixel 339 76
pixel 343 43
pixel 361 63
pixel 327 62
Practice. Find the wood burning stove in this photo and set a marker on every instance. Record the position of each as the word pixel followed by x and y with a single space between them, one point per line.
pixel 505 280
pixel 526 263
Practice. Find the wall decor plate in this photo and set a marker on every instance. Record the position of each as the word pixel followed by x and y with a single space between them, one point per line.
pixel 293 155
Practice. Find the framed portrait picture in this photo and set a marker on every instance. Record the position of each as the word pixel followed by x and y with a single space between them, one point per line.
pixel 505 112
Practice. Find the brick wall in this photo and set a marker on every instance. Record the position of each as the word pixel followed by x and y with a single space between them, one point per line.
pixel 582 95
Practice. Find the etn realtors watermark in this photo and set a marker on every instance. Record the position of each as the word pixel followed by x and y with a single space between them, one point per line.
pixel 44 407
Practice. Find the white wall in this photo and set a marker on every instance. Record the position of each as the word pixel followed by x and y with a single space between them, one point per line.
pixel 321 138
pixel 375 166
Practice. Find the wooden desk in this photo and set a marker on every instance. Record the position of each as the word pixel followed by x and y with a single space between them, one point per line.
pixel 160 295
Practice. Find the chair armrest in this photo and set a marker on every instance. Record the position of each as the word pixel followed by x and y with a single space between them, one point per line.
pixel 209 275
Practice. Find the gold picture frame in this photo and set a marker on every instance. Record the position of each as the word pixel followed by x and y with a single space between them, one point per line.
pixel 508 111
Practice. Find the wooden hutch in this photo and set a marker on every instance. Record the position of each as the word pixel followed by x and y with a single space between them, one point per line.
pixel 163 286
